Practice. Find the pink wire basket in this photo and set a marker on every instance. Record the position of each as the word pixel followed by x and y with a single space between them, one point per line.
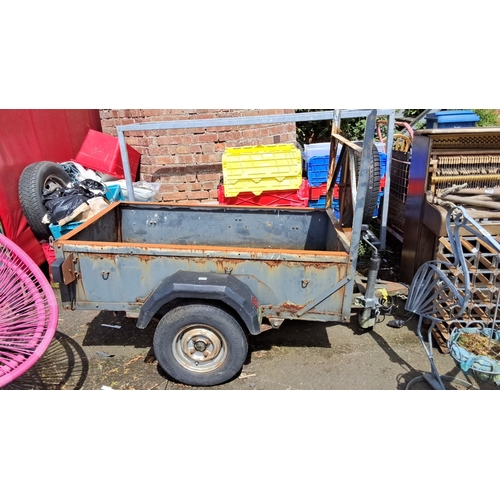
pixel 28 312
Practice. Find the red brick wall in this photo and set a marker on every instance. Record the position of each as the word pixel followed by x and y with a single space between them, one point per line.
pixel 188 162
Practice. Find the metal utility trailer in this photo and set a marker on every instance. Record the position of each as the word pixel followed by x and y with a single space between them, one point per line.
pixel 217 273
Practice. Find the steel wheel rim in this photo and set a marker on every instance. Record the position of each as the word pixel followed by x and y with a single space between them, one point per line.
pixel 53 182
pixel 199 348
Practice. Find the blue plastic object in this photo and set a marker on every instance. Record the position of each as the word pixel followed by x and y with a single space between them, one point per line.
pixel 317 162
pixel 317 170
pixel 452 119
pixel 57 230
pixel 383 164
pixel 483 367
pixel 114 193
pixel 319 203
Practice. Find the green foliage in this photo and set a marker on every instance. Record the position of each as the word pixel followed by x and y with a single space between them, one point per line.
pixel 309 132
pixel 351 128
pixel 354 128
pixel 487 117
pixel 320 131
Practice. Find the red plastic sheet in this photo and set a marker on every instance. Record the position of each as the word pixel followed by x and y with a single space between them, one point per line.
pixel 28 136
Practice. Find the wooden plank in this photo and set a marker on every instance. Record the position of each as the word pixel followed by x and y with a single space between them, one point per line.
pixel 441 336
pixel 347 142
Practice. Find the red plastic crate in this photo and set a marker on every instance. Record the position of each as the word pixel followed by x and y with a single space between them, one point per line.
pixel 317 192
pixel 286 198
pixel 101 152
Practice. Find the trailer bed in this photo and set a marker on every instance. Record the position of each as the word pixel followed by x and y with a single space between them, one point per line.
pixel 294 260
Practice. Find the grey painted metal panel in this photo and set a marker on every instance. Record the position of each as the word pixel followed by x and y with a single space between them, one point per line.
pixel 283 287
pixel 294 230
pixel 121 275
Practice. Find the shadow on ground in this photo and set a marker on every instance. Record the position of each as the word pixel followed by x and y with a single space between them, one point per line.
pixel 109 328
pixel 64 365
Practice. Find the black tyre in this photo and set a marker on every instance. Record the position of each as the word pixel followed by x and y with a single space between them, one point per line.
pixel 34 180
pixel 200 345
pixel 372 190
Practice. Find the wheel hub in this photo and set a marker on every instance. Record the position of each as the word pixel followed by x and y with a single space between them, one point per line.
pixel 52 183
pixel 200 348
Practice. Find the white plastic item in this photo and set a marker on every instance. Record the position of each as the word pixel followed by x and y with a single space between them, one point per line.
pixel 143 191
pixel 318 149
pixel 79 172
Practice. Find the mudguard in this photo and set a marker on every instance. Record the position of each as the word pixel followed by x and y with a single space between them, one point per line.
pixel 209 286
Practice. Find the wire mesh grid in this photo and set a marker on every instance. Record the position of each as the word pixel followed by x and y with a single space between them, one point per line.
pixel 398 192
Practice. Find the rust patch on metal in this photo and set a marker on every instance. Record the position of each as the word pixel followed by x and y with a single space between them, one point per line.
pixel 290 310
pixel 256 253
pixel 68 270
pixel 290 307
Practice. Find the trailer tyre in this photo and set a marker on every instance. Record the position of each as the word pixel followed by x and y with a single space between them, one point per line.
pixel 199 344
pixel 35 178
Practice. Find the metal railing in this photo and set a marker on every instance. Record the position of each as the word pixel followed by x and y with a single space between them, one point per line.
pixel 263 120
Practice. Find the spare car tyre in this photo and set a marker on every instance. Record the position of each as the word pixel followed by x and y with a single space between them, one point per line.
pixel 35 179
pixel 371 193
pixel 373 189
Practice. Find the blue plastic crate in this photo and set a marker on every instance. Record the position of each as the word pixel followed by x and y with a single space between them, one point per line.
pixel 320 203
pixel 383 164
pixel 58 231
pixel 114 193
pixel 451 119
pixel 317 170
pixel 317 162
pixel 379 201
pixel 336 208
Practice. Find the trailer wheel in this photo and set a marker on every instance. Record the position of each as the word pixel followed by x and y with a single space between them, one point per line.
pixel 35 178
pixel 199 344
pixel 372 190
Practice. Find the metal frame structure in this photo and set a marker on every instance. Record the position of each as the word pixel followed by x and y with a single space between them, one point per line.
pixel 443 290
pixel 262 120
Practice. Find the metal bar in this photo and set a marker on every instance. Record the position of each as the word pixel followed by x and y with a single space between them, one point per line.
pixel 126 165
pixel 360 206
pixel 246 120
pixel 387 189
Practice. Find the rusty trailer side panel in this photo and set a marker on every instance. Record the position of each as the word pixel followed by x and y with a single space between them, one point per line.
pixel 294 260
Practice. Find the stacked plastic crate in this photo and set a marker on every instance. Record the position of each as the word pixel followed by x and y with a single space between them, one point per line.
pixel 316 166
pixel 268 175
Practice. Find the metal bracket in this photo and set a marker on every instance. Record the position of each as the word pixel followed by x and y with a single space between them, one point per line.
pixel 68 270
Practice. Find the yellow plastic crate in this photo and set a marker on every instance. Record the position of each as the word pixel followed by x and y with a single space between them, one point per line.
pixel 254 169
